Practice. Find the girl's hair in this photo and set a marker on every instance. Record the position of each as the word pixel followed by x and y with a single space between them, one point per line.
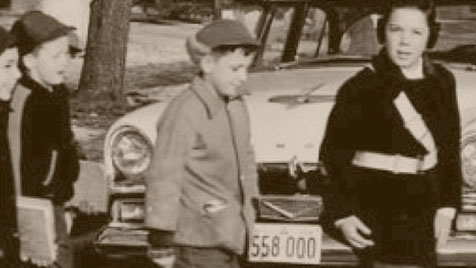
pixel 426 6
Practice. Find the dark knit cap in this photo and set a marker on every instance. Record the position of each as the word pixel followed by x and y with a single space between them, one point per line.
pixel 7 40
pixel 225 33
pixel 35 28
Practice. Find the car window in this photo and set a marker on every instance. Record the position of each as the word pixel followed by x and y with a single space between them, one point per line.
pixel 457 37
pixel 358 39
pixel 361 38
pixel 458 26
pixel 278 32
pixel 314 36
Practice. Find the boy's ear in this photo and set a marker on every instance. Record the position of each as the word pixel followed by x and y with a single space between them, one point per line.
pixel 206 63
pixel 29 61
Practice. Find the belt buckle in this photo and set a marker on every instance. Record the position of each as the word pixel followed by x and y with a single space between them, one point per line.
pixel 396 161
pixel 420 170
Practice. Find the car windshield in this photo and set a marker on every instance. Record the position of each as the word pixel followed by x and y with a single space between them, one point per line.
pixel 349 34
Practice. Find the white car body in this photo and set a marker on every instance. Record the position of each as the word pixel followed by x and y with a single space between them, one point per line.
pixel 280 131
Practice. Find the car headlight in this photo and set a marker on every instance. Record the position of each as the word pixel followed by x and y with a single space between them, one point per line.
pixel 468 155
pixel 131 153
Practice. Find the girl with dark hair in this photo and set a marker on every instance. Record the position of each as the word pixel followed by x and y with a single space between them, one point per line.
pixel 392 147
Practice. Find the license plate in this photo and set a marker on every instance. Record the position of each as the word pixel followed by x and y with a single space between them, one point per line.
pixel 286 243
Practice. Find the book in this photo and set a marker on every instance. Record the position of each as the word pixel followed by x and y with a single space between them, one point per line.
pixel 36 228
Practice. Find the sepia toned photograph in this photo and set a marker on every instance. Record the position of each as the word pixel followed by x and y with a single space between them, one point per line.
pixel 237 133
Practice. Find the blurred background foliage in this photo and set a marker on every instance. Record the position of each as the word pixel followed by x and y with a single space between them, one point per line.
pixel 197 11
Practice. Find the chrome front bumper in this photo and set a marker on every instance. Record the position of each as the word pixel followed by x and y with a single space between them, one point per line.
pixel 116 243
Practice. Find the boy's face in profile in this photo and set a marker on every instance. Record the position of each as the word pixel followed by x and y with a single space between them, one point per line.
pixel 227 72
pixel 9 72
pixel 48 62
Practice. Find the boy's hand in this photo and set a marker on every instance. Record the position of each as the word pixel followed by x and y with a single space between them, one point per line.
pixel 162 257
pixel 353 230
pixel 442 224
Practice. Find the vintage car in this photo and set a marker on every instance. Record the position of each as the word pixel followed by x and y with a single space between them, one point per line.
pixel 309 48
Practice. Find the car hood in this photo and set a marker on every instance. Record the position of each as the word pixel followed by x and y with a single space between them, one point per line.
pixel 289 110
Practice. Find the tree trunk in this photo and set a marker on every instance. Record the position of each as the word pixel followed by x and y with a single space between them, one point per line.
pixel 5 3
pixel 104 63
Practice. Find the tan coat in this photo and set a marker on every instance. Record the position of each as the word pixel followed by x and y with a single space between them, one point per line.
pixel 203 174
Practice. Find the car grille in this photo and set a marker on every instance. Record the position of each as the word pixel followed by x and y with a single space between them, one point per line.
pixel 299 208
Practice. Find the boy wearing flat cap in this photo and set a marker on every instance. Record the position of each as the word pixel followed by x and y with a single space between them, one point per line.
pixel 203 174
pixel 42 139
pixel 9 75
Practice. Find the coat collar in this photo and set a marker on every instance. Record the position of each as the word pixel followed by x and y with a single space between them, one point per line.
pixel 384 65
pixel 208 95
pixel 4 107
pixel 47 96
pixel 213 101
pixel 34 86
pixel 393 76
pixel 28 82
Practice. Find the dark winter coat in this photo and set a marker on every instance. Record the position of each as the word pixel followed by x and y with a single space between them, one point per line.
pixel 8 224
pixel 49 161
pixel 394 205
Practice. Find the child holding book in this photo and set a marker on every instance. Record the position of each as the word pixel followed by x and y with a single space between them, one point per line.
pixel 48 163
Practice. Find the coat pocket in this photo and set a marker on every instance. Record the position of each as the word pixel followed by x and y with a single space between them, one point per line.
pixel 227 224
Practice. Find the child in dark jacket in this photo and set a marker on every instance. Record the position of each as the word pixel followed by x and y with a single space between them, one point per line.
pixel 48 162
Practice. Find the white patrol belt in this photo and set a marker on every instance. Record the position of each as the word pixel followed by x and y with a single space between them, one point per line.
pixel 398 163
pixel 414 122
pixel 394 163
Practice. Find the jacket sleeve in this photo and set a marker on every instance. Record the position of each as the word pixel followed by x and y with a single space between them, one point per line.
pixel 336 152
pixel 252 173
pixel 68 162
pixel 69 144
pixel 165 176
pixel 450 160
pixel 252 190
pixel 251 167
